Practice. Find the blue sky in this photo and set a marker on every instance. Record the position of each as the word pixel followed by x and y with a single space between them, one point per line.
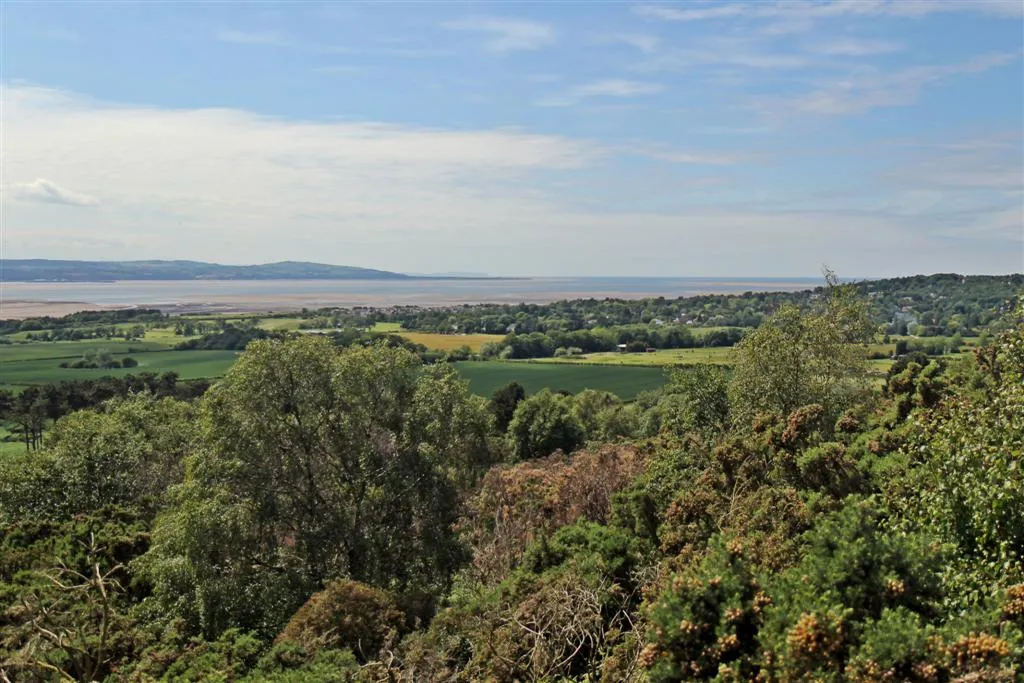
pixel 695 139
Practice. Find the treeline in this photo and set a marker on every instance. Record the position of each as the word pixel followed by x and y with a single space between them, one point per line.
pixel 636 338
pixel 98 359
pixel 127 333
pixel 227 337
pixel 326 514
pixel 34 407
pixel 84 319
pixel 925 305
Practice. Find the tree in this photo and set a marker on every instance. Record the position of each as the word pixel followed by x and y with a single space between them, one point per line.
pixel 543 424
pixel 695 400
pixel 969 491
pixel 503 403
pixel 315 465
pixel 454 425
pixel 797 358
pixel 589 408
pixel 127 453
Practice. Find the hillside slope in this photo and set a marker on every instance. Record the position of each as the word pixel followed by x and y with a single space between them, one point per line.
pixel 34 270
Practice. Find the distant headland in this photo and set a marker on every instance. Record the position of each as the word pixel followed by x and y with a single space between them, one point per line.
pixel 47 270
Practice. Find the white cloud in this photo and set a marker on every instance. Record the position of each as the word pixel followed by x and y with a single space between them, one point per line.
pixel 48 192
pixel 227 181
pixel 803 11
pixel 992 162
pixel 874 89
pixel 230 186
pixel 727 50
pixel 691 13
pixel 691 157
pixel 640 41
pixel 608 88
pixel 854 47
pixel 507 35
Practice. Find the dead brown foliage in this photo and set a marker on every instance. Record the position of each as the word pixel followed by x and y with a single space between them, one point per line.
pixel 518 503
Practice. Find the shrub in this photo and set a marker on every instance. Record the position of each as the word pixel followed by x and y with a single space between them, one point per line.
pixel 346 614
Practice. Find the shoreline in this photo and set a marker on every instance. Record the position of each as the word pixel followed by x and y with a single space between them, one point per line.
pixel 26 300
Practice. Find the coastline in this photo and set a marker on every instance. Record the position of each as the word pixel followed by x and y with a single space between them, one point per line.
pixel 30 299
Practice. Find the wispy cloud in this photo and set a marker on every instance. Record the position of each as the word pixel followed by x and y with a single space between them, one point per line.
pixel 252 37
pixel 689 157
pixel 746 51
pixel 507 35
pixel 863 92
pixel 805 10
pixel 640 41
pixel 691 13
pixel 608 88
pixel 854 47
pixel 48 192
pixel 991 162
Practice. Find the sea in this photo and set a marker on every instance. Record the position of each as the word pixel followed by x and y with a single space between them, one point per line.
pixel 282 295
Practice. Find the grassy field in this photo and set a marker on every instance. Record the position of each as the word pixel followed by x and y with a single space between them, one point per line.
pixel 75 349
pixel 450 342
pixel 486 376
pixel 188 365
pixel 279 324
pixel 439 342
pixel 660 358
pixel 9 442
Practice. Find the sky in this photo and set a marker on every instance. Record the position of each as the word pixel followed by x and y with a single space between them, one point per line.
pixel 755 139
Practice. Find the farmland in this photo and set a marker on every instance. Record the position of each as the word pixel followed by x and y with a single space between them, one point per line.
pixel 660 358
pixel 16 372
pixel 626 382
pixel 450 342
pixel 39 363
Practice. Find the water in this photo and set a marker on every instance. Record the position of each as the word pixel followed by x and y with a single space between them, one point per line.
pixel 249 295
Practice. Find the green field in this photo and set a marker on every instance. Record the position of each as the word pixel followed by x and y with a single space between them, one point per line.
pixel 660 358
pixel 280 324
pixel 188 364
pixel 9 442
pixel 74 349
pixel 486 376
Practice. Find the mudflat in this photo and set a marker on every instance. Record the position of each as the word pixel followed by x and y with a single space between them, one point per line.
pixel 19 310
pixel 213 296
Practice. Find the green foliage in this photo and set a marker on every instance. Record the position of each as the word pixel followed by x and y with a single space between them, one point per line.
pixel 852 571
pixel 287 664
pixel 592 410
pixel 704 623
pixel 65 595
pixel 503 403
pixel 694 400
pixel 557 617
pixel 226 659
pixel 317 464
pixel 311 518
pixel 968 486
pixel 798 358
pixel 542 424
pixel 128 453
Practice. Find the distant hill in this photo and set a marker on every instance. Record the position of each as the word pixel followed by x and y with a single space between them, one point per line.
pixel 45 270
